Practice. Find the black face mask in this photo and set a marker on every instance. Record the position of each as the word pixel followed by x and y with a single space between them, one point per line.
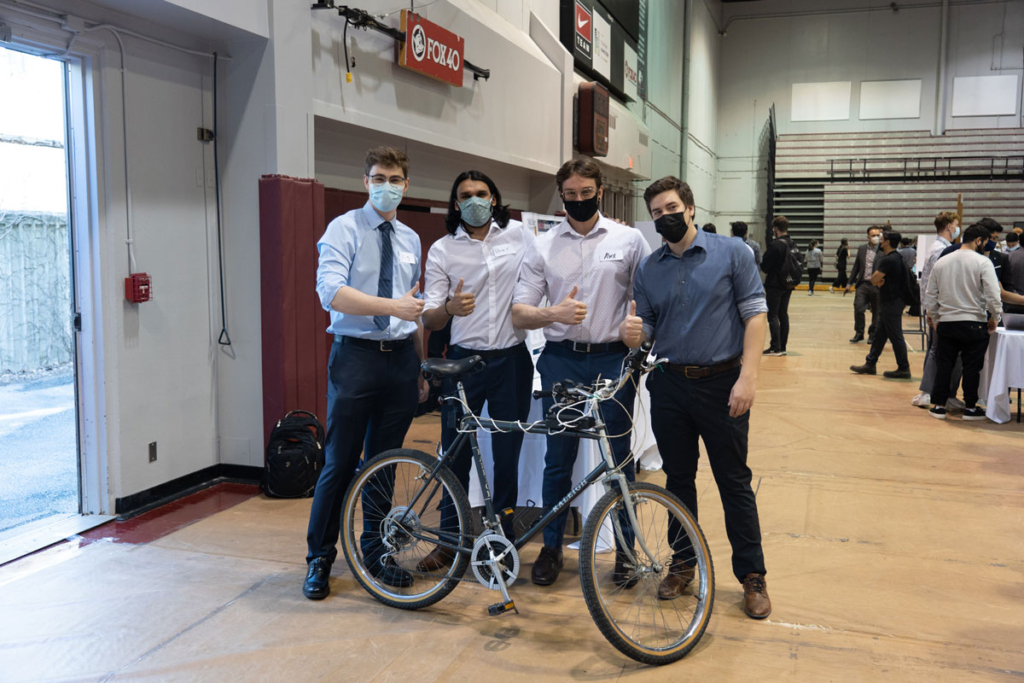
pixel 581 211
pixel 672 226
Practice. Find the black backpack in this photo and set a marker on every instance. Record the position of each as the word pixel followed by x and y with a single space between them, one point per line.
pixel 793 267
pixel 295 456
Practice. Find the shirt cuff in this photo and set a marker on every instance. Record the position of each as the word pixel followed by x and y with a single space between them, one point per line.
pixel 751 307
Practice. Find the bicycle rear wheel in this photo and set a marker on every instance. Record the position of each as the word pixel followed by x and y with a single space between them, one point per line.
pixel 633 618
pixel 386 538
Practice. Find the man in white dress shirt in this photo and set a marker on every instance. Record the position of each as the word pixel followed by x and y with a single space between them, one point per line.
pixel 470 277
pixel 584 267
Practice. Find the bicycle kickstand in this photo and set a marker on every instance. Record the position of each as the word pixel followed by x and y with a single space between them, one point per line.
pixel 507 605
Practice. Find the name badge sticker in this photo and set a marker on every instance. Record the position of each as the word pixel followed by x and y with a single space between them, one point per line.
pixel 406 257
pixel 503 250
pixel 610 255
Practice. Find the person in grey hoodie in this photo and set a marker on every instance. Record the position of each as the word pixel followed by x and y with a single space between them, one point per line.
pixel 814 258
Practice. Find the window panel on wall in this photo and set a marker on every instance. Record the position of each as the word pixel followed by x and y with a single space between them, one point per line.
pixel 890 99
pixel 820 101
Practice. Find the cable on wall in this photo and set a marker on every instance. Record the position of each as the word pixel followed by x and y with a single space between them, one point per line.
pixel 225 338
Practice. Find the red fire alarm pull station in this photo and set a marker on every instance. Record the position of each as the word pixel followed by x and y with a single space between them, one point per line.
pixel 593 119
pixel 138 288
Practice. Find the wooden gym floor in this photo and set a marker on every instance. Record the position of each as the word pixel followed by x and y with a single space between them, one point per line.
pixel 894 546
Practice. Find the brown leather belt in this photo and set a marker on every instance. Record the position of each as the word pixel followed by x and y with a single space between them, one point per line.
pixel 701 372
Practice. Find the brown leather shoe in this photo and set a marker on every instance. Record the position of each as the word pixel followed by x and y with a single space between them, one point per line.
pixel 547 566
pixel 439 558
pixel 756 602
pixel 675 582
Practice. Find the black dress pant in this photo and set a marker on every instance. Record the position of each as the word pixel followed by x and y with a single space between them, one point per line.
pixel 813 274
pixel 841 279
pixel 778 316
pixel 969 341
pixel 890 329
pixel 371 398
pixel 867 297
pixel 506 385
pixel 683 411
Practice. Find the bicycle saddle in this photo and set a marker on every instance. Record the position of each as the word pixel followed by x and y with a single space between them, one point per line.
pixel 440 367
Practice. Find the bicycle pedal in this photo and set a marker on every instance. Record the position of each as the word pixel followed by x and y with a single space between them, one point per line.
pixel 500 608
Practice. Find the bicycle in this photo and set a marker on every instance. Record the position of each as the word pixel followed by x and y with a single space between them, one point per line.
pixel 402 504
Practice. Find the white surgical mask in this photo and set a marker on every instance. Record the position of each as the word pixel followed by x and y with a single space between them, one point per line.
pixel 956 233
pixel 876 240
pixel 386 197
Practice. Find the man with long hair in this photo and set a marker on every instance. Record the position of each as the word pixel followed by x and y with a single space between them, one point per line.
pixel 471 274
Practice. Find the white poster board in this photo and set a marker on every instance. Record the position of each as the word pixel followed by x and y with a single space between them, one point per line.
pixel 890 99
pixel 985 95
pixel 821 101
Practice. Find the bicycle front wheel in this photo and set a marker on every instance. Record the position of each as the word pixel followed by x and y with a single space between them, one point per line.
pixel 628 609
pixel 394 519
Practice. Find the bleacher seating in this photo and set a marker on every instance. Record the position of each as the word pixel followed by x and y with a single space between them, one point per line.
pixel 910 178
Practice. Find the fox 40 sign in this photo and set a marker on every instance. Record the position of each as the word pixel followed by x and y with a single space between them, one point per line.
pixel 431 50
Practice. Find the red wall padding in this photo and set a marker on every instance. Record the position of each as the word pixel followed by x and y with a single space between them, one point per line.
pixel 295 342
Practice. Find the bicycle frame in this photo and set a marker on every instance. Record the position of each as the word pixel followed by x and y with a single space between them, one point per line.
pixel 468 424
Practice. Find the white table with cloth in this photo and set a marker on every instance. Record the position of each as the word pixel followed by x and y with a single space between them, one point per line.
pixel 531 460
pixel 1004 369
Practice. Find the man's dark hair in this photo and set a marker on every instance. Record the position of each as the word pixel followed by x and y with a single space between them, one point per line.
pixel 584 167
pixel 992 225
pixel 739 229
pixel 874 227
pixel 893 238
pixel 389 157
pixel 944 219
pixel 781 223
pixel 709 227
pixel 1012 238
pixel 906 242
pixel 975 231
pixel 666 184
pixel 499 213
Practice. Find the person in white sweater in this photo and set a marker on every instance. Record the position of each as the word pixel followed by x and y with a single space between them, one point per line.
pixel 962 288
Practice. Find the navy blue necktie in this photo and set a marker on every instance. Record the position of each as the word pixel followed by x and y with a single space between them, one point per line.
pixel 387 257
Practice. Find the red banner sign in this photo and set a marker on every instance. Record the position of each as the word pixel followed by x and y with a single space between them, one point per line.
pixel 431 50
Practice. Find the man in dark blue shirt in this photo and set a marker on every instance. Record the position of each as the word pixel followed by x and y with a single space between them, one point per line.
pixel 699 297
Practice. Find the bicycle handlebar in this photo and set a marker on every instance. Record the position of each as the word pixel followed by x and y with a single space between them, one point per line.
pixel 569 390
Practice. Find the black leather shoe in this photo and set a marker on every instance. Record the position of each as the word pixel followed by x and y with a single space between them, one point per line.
pixel 623 575
pixel 866 369
pixel 392 574
pixel 318 579
pixel 897 374
pixel 547 566
pixel 857 338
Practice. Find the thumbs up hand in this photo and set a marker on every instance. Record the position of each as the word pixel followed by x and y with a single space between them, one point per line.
pixel 409 307
pixel 461 303
pixel 632 327
pixel 570 311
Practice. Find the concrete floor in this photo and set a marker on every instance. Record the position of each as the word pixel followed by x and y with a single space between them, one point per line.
pixel 38 448
pixel 893 543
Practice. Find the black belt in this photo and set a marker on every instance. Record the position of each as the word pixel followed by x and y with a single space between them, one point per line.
pixel 384 345
pixel 491 353
pixel 587 347
pixel 702 371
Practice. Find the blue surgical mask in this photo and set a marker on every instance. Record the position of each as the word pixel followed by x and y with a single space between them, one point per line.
pixel 475 211
pixel 990 245
pixel 956 233
pixel 1013 248
pixel 386 197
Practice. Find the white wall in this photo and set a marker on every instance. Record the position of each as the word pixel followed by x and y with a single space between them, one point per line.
pixel 495 119
pixel 702 111
pixel 763 57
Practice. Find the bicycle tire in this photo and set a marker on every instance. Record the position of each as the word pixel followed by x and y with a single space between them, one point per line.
pixel 351 535
pixel 704 592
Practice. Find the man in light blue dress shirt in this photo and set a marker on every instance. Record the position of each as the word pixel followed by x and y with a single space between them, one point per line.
pixel 368 278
